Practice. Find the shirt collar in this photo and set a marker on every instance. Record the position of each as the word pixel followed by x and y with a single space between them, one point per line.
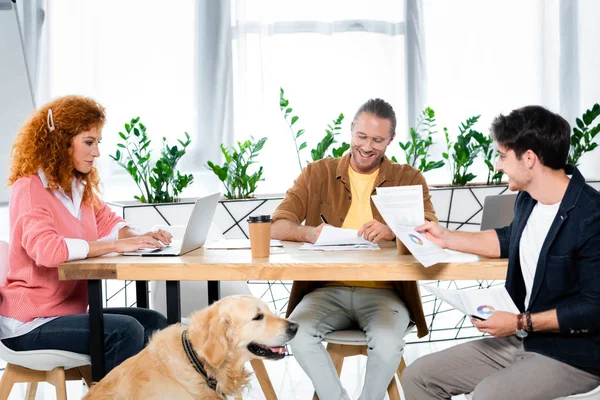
pixel 76 185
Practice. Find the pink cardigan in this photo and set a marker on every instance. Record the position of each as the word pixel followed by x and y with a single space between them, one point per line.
pixel 39 223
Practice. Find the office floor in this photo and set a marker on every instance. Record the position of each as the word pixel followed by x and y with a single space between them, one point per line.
pixel 289 381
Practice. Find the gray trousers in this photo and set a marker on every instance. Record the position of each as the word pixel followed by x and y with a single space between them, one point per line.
pixel 380 313
pixel 493 368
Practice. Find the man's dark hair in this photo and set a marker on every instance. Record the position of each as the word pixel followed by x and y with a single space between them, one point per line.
pixel 381 109
pixel 537 129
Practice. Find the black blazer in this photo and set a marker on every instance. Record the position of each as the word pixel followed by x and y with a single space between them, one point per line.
pixel 567 277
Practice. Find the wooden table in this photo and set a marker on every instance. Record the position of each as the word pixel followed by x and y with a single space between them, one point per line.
pixel 238 265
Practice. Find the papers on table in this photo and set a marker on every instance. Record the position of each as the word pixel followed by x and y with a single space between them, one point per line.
pixel 480 303
pixel 402 209
pixel 225 244
pixel 339 239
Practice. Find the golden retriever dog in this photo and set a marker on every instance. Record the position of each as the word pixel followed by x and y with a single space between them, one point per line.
pixel 222 337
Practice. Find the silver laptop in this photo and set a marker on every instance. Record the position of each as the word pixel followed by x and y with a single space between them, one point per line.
pixel 195 233
pixel 498 211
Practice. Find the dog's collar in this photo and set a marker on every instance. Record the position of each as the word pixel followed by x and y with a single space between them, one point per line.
pixel 196 363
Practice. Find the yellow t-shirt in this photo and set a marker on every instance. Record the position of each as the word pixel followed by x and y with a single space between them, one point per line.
pixel 361 186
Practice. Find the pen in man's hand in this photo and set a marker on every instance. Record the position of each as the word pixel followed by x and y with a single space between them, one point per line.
pixel 323 219
pixel 477 318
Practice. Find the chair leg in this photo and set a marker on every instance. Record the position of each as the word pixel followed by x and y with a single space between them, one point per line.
pixel 392 390
pixel 7 382
pixel 263 379
pixel 86 375
pixel 31 391
pixel 56 377
pixel 401 369
pixel 336 352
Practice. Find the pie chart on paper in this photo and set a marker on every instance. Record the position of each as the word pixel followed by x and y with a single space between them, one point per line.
pixel 415 239
pixel 486 310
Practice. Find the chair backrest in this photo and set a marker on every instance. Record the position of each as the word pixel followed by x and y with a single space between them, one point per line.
pixel 498 211
pixel 3 261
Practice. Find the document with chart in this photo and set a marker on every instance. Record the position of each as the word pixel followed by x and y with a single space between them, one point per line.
pixel 402 209
pixel 481 303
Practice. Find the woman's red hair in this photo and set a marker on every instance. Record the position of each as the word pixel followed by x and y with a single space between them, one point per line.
pixel 37 147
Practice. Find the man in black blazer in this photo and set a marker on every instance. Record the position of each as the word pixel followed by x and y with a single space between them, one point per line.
pixel 552 348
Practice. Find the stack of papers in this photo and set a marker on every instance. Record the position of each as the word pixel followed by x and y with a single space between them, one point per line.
pixel 402 209
pixel 480 303
pixel 339 239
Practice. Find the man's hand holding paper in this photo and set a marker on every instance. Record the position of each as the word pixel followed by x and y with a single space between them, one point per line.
pixel 402 208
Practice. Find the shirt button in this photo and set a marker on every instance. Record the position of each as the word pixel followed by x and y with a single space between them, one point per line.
pixel 341 219
pixel 349 197
pixel 320 201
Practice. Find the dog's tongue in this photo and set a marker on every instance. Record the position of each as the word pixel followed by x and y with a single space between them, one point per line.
pixel 278 349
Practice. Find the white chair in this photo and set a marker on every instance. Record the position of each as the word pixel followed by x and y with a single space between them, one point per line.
pixel 353 342
pixel 52 366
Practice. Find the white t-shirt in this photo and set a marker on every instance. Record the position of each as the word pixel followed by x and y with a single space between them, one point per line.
pixel 532 240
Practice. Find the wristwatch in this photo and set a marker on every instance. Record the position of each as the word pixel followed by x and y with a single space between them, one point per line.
pixel 523 330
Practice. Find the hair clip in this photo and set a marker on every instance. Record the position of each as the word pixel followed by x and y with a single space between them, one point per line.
pixel 50 120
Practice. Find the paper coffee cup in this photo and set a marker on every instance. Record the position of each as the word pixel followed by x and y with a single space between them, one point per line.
pixel 260 235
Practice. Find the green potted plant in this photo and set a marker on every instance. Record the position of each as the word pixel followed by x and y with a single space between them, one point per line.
pixel 235 173
pixel 582 138
pixel 490 156
pixel 416 149
pixel 322 148
pixel 462 152
pixel 159 182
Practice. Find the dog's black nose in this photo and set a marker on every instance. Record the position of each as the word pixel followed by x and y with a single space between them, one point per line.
pixel 292 328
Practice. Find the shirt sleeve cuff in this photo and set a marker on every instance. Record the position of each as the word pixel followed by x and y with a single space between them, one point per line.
pixel 78 249
pixel 114 233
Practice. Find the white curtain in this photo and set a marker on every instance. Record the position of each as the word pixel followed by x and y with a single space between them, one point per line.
pixel 213 83
pixel 330 57
pixel 32 16
pixel 135 57
pixel 480 58
pixel 491 57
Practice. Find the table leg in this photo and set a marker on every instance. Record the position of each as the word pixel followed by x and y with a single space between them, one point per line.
pixel 96 329
pixel 214 291
pixel 141 293
pixel 173 302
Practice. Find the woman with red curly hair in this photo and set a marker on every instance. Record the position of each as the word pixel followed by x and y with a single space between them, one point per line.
pixel 56 216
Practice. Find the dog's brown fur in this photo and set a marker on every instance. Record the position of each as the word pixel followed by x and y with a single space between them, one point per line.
pixel 219 334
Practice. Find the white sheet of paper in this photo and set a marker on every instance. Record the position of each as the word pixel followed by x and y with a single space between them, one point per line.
pixel 341 247
pixel 424 250
pixel 403 205
pixel 402 209
pixel 225 244
pixel 482 303
pixel 335 236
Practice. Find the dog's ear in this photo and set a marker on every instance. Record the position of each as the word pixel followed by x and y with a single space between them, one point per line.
pixel 209 332
pixel 217 343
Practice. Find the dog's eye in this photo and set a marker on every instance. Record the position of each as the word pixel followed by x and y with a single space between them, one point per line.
pixel 258 317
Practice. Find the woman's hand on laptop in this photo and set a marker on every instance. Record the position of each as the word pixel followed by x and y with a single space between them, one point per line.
pixel 136 243
pixel 161 235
